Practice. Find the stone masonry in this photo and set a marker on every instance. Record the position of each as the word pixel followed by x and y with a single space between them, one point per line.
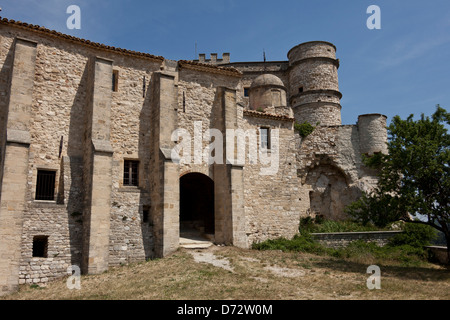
pixel 88 172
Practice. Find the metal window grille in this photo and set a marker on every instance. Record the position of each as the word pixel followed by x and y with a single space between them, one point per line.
pixel 45 185
pixel 40 246
pixel 131 173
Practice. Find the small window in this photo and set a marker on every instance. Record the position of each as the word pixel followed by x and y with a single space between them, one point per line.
pixel 300 90
pixel 115 80
pixel 246 90
pixel 145 214
pixel 144 86
pixel 131 173
pixel 45 185
pixel 265 139
pixel 40 246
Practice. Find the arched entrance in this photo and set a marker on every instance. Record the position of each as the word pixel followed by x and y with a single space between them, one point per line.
pixel 197 203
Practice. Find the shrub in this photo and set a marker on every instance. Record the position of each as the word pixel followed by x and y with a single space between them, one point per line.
pixel 405 249
pixel 299 243
pixel 304 129
pixel 369 252
pixel 414 235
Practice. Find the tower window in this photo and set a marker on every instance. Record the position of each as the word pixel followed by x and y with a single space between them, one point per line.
pixel 300 90
pixel 264 138
pixel 246 90
pixel 40 246
pixel 115 81
pixel 131 173
pixel 45 185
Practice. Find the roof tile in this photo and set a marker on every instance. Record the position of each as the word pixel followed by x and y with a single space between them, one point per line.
pixel 79 40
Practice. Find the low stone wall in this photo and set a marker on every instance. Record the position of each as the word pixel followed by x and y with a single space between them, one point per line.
pixel 342 239
pixel 440 253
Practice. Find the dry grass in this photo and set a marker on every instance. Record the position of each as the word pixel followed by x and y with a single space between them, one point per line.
pixel 255 275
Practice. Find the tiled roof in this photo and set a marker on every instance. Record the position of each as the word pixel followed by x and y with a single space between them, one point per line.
pixel 209 68
pixel 60 35
pixel 254 113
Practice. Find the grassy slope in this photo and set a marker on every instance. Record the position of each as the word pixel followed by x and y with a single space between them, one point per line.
pixel 257 275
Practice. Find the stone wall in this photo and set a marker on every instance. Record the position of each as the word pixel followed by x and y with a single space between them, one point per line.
pixel 331 170
pixel 439 253
pixel 197 102
pixel 343 239
pixel 272 202
pixel 313 83
pixel 15 160
pixel 72 120
pixel 58 108
pixel 318 114
pixel 372 133
pixel 131 239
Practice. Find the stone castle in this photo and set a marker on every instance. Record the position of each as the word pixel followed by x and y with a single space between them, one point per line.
pixel 87 172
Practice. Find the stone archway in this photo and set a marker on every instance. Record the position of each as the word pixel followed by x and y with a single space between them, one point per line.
pixel 330 192
pixel 197 203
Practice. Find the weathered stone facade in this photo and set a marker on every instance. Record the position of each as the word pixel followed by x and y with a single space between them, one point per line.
pixel 100 121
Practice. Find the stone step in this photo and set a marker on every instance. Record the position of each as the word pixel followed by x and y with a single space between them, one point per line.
pixel 196 245
pixel 194 242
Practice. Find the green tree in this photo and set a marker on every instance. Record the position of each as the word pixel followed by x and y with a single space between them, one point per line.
pixel 414 177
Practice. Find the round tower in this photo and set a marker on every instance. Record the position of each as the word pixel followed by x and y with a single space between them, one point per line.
pixel 267 91
pixel 372 133
pixel 313 83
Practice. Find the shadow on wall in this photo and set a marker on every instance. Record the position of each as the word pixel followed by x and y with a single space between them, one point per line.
pixel 145 158
pixel 5 74
pixel 73 169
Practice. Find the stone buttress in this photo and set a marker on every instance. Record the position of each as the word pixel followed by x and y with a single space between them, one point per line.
pixel 97 168
pixel 15 162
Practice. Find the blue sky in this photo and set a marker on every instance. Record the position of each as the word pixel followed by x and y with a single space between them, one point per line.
pixel 401 69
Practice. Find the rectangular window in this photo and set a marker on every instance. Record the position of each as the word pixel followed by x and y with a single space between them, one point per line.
pixel 115 80
pixel 265 138
pixel 45 185
pixel 131 173
pixel 40 246
pixel 246 92
pixel 145 214
pixel 300 90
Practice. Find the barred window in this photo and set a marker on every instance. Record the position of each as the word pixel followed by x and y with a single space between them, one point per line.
pixel 131 173
pixel 45 185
